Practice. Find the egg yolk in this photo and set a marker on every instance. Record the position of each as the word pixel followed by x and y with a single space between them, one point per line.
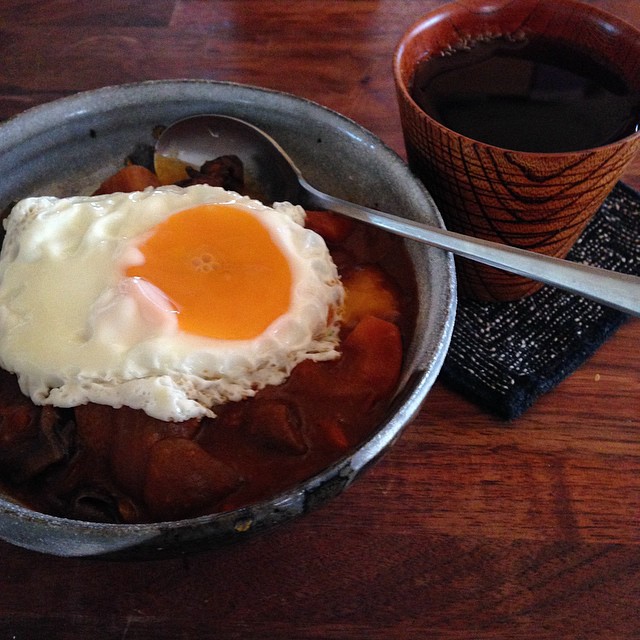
pixel 221 269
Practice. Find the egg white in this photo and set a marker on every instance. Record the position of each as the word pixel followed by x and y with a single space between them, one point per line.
pixel 75 331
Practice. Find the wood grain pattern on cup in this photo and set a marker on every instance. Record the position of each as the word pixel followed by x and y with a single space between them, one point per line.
pixel 535 200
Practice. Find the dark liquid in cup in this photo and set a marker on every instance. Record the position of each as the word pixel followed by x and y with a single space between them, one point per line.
pixel 527 95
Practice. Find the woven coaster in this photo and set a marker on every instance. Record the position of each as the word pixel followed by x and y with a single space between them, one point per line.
pixel 503 356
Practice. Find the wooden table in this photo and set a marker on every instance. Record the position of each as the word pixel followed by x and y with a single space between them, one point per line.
pixel 469 528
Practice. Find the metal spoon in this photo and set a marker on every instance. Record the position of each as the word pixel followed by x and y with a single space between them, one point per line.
pixel 199 138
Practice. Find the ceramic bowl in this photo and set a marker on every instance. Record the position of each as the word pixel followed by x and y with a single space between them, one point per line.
pixel 68 146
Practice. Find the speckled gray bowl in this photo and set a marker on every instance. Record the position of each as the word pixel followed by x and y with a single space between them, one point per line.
pixel 68 146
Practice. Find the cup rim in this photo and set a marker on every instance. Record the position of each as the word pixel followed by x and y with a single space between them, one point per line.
pixel 421 23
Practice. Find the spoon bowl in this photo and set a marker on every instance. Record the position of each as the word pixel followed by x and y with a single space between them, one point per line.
pixel 196 139
pixel 269 171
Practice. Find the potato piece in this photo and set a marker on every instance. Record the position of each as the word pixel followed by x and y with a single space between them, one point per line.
pixel 182 479
pixel 369 292
pixel 134 435
pixel 275 425
pixel 366 373
pixel 123 437
pixel 170 170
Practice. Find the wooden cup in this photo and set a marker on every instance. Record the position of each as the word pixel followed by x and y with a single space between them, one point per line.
pixel 537 201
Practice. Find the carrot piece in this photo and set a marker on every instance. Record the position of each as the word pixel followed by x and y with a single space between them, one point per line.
pixel 133 177
pixel 331 226
pixel 333 434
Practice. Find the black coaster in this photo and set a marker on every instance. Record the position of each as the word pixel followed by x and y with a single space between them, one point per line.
pixel 503 356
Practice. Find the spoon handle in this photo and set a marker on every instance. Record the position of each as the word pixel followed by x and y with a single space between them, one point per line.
pixel 618 290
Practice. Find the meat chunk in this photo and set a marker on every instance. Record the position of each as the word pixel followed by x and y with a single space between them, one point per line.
pixel 226 172
pixel 32 438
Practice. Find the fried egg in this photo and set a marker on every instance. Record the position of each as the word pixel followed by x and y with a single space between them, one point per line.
pixel 170 300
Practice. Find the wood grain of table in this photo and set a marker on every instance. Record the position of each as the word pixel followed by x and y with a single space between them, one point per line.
pixel 470 528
